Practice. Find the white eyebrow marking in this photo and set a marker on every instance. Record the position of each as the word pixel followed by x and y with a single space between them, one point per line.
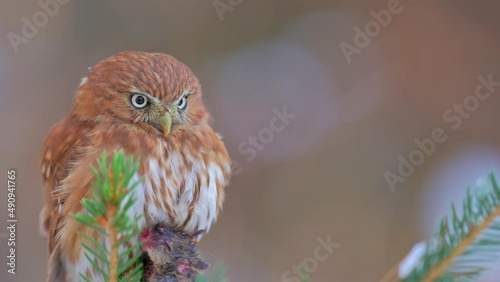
pixel 150 97
pixel 186 93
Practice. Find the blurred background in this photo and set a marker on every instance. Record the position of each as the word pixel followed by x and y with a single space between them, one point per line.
pixel 321 175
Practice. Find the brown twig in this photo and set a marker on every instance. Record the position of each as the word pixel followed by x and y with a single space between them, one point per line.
pixel 112 234
pixel 113 263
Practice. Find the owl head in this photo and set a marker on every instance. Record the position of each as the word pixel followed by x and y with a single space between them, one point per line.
pixel 146 90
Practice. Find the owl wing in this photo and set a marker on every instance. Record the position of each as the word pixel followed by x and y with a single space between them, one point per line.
pixel 59 153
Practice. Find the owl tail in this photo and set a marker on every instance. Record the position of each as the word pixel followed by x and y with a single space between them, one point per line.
pixel 56 268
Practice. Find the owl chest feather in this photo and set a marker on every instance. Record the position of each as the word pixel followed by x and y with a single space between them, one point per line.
pixel 182 189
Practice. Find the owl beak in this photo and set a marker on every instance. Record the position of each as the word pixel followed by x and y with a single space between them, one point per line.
pixel 166 122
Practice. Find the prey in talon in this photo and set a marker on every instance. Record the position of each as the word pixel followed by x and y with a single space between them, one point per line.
pixel 170 255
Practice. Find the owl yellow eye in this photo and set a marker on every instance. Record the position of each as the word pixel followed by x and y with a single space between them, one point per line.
pixel 182 105
pixel 139 101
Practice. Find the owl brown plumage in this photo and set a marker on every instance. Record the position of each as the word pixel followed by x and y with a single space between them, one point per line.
pixel 150 105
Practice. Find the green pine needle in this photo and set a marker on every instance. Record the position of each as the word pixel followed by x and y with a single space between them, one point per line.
pixel 465 244
pixel 106 211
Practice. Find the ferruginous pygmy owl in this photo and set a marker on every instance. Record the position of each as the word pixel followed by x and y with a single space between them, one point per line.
pixel 150 105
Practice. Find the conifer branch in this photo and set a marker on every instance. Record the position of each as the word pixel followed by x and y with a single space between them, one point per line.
pixel 462 247
pixel 107 212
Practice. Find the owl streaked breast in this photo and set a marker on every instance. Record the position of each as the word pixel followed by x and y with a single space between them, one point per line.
pixel 189 189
